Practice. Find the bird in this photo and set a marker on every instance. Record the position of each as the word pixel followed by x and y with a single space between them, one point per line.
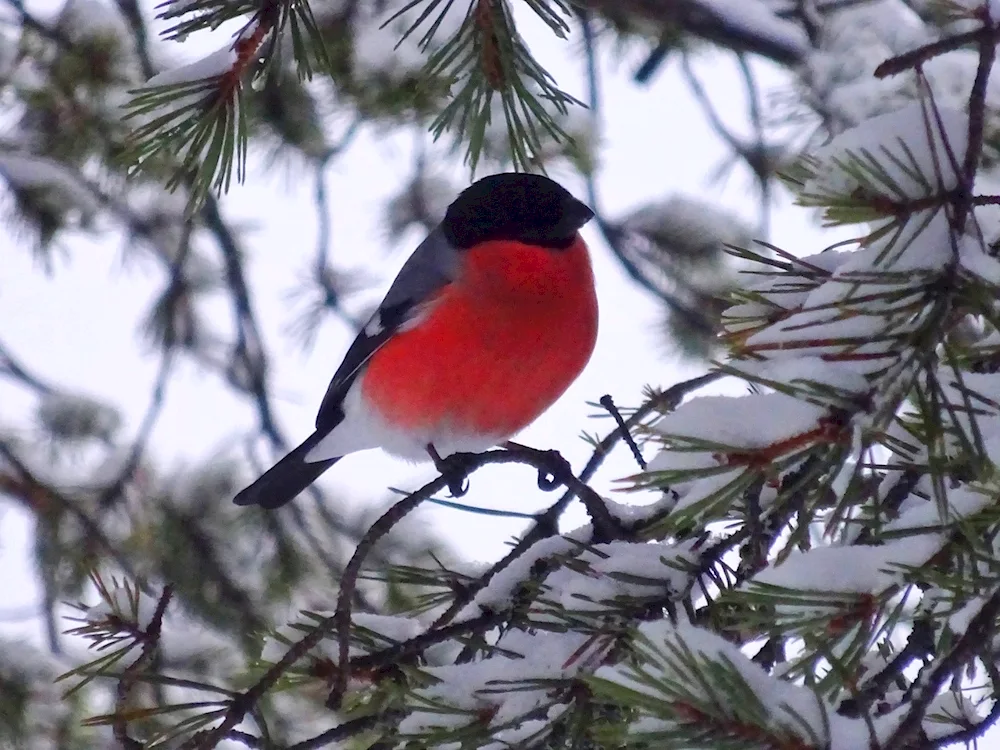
pixel 486 325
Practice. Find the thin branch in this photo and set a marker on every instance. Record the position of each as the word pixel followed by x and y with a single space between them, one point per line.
pixel 247 740
pixel 708 109
pixel 969 735
pixel 917 57
pixel 11 367
pixel 977 116
pixel 114 490
pixel 544 461
pixel 34 491
pixel 919 644
pixel 613 235
pixel 758 158
pixel 167 360
pixel 133 15
pixel 249 343
pixel 341 618
pixel 547 522
pixel 608 403
pixel 407 650
pixel 151 642
pixel 349 579
pixel 977 635
pixel 341 731
pixel 442 629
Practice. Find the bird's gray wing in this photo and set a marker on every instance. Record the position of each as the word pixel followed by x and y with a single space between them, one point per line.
pixel 432 266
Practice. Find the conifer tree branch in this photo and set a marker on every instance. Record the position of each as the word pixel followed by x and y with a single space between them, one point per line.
pixel 150 637
pixel 546 523
pixel 969 735
pixel 983 35
pixel 929 683
pixel 442 629
pixel 549 462
pixel 36 495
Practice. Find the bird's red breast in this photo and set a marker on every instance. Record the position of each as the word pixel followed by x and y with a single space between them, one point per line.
pixel 499 345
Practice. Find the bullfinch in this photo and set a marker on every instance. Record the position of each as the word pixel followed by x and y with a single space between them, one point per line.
pixel 489 321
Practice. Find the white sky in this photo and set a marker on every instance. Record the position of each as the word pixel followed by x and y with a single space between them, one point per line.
pixel 78 326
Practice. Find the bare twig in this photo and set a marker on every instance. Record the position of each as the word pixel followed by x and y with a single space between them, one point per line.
pixel 12 368
pixel 546 523
pixel 614 236
pixel 915 58
pixel 341 731
pixel 977 115
pixel 349 579
pixel 544 461
pixel 608 403
pixel 150 644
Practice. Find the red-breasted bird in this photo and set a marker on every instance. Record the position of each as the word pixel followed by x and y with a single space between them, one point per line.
pixel 486 325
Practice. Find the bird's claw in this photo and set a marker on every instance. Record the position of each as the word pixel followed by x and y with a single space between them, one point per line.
pixel 552 477
pixel 547 482
pixel 455 470
pixel 458 485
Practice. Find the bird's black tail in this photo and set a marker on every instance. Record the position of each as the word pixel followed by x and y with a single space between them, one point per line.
pixel 286 479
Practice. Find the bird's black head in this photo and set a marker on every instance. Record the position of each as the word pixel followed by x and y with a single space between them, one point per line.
pixel 527 208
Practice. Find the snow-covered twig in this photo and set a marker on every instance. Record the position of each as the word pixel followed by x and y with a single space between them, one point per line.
pixel 976 637
pixel 445 628
pixel 546 523
pixel 988 34
pixel 919 644
pixel 606 528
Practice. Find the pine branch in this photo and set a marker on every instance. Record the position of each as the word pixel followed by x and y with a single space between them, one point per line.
pixel 546 462
pixel 486 59
pixel 150 638
pixel 930 682
pixel 546 523
pixel 918 645
pixel 343 731
pixel 969 735
pixel 984 35
pixel 37 496
pixel 442 630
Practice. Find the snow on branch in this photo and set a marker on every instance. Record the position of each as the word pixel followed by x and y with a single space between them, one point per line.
pixel 59 185
pixel 692 686
pixel 817 563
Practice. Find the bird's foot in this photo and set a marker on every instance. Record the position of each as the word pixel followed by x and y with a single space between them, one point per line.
pixel 552 467
pixel 455 468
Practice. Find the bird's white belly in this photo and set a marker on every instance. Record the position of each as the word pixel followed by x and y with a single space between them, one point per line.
pixel 363 428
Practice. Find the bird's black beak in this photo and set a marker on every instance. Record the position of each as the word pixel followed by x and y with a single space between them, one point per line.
pixel 578 213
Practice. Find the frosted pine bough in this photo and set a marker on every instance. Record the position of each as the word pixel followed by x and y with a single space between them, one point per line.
pixel 822 560
pixel 814 541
